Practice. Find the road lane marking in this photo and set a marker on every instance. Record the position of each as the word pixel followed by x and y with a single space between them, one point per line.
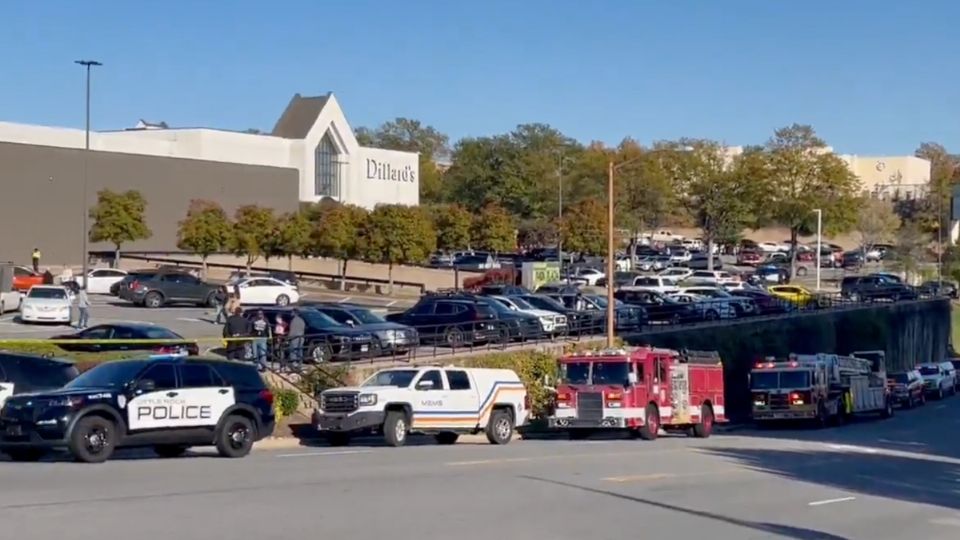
pixel 488 461
pixel 831 501
pixel 190 319
pixel 851 448
pixel 316 454
pixel 948 521
pixel 639 478
pixel 498 461
pixel 902 443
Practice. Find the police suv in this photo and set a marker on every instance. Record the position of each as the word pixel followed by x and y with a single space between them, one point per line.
pixel 168 402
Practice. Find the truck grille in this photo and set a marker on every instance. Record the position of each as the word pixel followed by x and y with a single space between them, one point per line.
pixel 590 406
pixel 779 401
pixel 337 403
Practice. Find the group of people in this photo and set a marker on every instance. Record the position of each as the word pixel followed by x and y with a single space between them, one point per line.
pixel 258 338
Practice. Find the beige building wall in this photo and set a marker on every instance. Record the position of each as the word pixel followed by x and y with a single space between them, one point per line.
pixel 891 177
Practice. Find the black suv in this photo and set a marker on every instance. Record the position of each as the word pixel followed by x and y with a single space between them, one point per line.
pixel 22 373
pixel 659 307
pixel 875 287
pixel 391 337
pixel 451 319
pixel 324 338
pixel 167 402
pixel 165 288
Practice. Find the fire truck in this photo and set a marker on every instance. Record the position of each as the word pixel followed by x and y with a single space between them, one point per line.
pixel 826 388
pixel 641 390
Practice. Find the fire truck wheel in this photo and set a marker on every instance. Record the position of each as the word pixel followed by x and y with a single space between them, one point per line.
pixel 651 424
pixel 500 427
pixel 705 427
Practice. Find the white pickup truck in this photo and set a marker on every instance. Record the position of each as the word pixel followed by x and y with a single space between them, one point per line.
pixel 444 402
pixel 9 301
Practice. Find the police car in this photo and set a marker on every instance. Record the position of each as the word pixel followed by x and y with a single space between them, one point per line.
pixel 168 402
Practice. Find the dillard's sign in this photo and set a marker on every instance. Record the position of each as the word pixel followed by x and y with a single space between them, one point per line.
pixel 385 171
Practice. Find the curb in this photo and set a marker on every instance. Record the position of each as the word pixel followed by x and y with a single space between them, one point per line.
pixel 287 443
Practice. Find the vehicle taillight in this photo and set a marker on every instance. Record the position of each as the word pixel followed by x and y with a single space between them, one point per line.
pixel 267 396
pixel 134 285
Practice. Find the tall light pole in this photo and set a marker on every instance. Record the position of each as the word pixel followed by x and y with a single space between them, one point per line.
pixel 86 151
pixel 611 250
pixel 560 209
pixel 819 242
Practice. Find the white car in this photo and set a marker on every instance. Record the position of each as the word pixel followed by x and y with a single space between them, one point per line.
pixel 99 280
pixel 550 321
pixel 773 247
pixel 707 277
pixel 587 276
pixel 675 274
pixel 654 283
pixel 267 291
pixel 46 304
pixel 680 256
pixel 10 301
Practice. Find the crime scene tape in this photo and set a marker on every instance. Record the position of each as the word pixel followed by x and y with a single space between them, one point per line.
pixel 121 341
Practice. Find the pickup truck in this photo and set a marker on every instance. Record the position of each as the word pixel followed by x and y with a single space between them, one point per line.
pixel 443 402
pixel 662 285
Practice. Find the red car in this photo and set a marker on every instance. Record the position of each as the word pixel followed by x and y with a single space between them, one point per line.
pixel 749 258
pixel 24 278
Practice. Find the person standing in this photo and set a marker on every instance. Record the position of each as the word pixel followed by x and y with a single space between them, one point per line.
pixel 223 305
pixel 298 328
pixel 279 346
pixel 235 328
pixel 260 330
pixel 83 307
pixel 36 260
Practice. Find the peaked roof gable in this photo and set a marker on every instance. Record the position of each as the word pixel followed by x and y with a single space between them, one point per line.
pixel 299 116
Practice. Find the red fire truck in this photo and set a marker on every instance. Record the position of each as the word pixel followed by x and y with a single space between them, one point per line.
pixel 641 390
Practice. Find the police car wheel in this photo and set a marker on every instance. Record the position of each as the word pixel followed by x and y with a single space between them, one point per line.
pixel 236 438
pixel 25 454
pixel 169 450
pixel 92 439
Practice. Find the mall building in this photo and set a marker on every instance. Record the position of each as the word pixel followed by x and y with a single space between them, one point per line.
pixel 310 155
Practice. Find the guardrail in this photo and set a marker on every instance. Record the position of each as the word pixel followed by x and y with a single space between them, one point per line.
pixel 170 259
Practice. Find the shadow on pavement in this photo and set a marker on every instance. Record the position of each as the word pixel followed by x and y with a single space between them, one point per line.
pixel 785 531
pixel 921 479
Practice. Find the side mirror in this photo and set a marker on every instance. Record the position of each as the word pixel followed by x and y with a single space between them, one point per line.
pixel 146 385
pixel 425 385
pixel 350 322
pixel 632 378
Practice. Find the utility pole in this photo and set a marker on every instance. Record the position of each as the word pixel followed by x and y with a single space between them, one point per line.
pixel 560 210
pixel 86 153
pixel 611 254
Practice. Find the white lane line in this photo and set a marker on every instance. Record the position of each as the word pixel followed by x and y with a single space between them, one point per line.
pixel 317 454
pixel 851 448
pixel 344 299
pixel 831 501
pixel 190 319
pixel 948 521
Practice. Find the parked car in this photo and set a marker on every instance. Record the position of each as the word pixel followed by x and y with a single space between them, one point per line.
pixel 743 306
pixel 46 304
pixel 656 283
pixel 98 280
pixel 938 380
pixel 267 291
pixel 169 288
pixel 658 306
pixel 24 278
pixel 707 309
pixel 451 320
pixel 772 274
pixel 558 288
pixel 906 388
pixel 503 289
pixel 767 304
pixel 391 337
pixel 578 322
pixel 706 277
pixel 133 275
pixel 853 259
pixel 675 274
pixel 290 278
pixel 586 276
pixel 627 317
pixel 10 301
pixel 26 373
pixel 324 338
pixel 100 337
pixel 551 323
pixel 939 288
pixel 620 279
pixel 875 287
pixel 773 247
pixel 749 257
pixel 514 325
pixel 796 295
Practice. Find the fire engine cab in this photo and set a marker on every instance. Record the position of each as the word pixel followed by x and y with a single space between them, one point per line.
pixel 821 387
pixel 641 390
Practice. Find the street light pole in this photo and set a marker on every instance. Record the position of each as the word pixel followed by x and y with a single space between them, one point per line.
pixel 611 253
pixel 86 151
pixel 819 242
pixel 560 210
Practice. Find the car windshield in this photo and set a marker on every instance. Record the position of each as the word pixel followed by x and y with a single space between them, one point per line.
pixel 318 320
pixel 794 379
pixel 401 378
pixel 521 303
pixel 901 378
pixel 47 293
pixel 543 302
pixel 496 306
pixel 159 333
pixel 366 316
pixel 575 372
pixel 108 374
pixel 765 380
pixel 929 370
pixel 611 373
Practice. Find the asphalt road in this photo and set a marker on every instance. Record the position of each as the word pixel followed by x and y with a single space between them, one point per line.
pixel 892 479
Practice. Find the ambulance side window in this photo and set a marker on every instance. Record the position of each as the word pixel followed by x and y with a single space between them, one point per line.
pixel 163 376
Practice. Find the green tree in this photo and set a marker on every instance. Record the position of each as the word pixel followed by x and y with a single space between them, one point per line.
pixel 876 222
pixel 585 228
pixel 410 135
pixel 910 249
pixel 452 223
pixel 119 218
pixel 493 230
pixel 933 211
pixel 397 234
pixel 337 235
pixel 254 233
pixel 645 193
pixel 537 232
pixel 295 236
pixel 805 176
pixel 205 230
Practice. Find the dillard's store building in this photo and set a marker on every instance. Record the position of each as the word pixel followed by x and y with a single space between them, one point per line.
pixel 310 155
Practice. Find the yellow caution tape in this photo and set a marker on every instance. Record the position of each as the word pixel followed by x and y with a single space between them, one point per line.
pixel 121 341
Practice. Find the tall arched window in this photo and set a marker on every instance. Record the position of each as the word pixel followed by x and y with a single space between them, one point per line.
pixel 327 171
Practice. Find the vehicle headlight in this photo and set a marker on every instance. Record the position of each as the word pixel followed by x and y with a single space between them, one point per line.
pixel 69 402
pixel 387 335
pixel 366 400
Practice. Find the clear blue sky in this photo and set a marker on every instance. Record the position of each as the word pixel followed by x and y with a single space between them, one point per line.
pixel 872 76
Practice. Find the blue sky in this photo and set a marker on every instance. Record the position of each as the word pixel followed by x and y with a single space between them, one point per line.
pixel 873 77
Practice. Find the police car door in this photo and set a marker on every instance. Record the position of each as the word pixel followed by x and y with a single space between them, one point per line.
pixel 160 403
pixel 202 387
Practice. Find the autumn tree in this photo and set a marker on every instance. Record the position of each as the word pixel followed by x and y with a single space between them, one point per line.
pixel 910 248
pixel 585 227
pixel 933 210
pixel 452 223
pixel 397 234
pixel 537 232
pixel 337 235
pixel 493 230
pixel 294 232
pixel 205 230
pixel 119 218
pixel 805 176
pixel 254 230
pixel 876 222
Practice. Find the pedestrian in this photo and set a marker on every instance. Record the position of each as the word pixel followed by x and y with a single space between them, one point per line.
pixel 221 298
pixel 279 346
pixel 236 328
pixel 260 330
pixel 36 260
pixel 297 329
pixel 83 307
